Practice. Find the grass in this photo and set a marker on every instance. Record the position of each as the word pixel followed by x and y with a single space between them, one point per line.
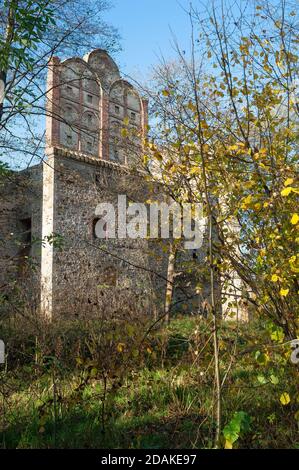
pixel 163 401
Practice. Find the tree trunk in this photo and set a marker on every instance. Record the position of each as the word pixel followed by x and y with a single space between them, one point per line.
pixel 215 332
pixel 9 35
pixel 170 279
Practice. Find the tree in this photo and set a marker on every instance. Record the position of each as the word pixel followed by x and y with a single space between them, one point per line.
pixel 227 136
pixel 32 32
pixel 242 120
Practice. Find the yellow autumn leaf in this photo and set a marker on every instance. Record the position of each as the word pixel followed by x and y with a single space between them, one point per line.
pixel 288 182
pixel 195 171
pixel 120 347
pixel 228 444
pixel 295 219
pixel 289 190
pixel 246 201
pixel 293 262
pixel 284 292
pixel 249 184
pixel 233 148
pixel 285 192
pixel 285 399
pixel 191 106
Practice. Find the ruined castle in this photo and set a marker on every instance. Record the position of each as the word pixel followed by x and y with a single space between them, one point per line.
pixel 95 126
pixel 48 211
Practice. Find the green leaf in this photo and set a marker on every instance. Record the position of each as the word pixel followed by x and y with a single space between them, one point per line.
pixel 274 380
pixel 262 379
pixel 261 358
pixel 240 423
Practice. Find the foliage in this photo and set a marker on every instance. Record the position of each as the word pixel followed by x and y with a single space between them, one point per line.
pixel 228 127
pixel 227 137
pixel 32 19
pixel 239 424
pixel 163 401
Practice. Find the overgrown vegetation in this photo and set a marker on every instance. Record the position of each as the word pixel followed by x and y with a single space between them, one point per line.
pixel 79 388
pixel 228 139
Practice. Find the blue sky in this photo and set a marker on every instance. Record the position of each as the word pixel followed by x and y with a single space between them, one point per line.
pixel 145 27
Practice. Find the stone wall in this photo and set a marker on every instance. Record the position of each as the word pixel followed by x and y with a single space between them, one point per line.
pixel 95 127
pixel 20 242
pixel 90 276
